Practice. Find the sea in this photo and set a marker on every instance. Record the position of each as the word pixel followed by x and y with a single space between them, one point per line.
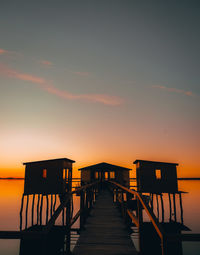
pixel 10 201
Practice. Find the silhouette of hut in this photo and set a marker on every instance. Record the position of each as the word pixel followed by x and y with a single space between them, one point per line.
pixel 104 171
pixel 48 176
pixel 156 177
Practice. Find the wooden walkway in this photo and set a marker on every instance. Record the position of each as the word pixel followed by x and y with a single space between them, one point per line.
pixel 105 232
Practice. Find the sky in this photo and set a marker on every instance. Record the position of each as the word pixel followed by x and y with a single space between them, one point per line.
pixel 99 80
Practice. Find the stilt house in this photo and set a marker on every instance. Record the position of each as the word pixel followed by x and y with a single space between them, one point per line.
pixel 48 176
pixel 104 171
pixel 156 177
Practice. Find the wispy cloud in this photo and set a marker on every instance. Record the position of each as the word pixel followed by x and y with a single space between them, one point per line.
pixel 51 89
pixel 174 90
pixel 46 63
pixel 81 73
pixel 10 54
pixel 11 73
pixel 2 51
pixel 96 98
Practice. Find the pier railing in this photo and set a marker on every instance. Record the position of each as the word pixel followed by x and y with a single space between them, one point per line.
pixel 87 195
pixel 137 218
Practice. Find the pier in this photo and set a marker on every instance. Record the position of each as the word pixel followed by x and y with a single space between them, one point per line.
pixel 109 211
pixel 105 232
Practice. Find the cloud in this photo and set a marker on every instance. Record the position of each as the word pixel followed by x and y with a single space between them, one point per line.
pixel 174 90
pixel 9 54
pixel 96 98
pixel 2 51
pixel 46 63
pixel 11 73
pixel 81 73
pixel 51 89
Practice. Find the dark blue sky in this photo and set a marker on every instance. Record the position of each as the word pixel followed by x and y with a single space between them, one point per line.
pixel 106 78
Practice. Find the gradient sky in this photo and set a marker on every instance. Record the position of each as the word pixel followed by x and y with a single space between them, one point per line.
pixel 99 81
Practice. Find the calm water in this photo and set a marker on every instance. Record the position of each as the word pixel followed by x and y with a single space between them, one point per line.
pixel 10 201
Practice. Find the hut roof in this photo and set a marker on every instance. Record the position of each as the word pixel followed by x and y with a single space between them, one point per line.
pixel 104 167
pixel 49 160
pixel 153 162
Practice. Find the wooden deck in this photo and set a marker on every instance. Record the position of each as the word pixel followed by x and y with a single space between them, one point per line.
pixel 105 232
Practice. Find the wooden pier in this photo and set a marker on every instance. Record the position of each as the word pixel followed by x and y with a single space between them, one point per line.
pixel 104 231
pixel 107 211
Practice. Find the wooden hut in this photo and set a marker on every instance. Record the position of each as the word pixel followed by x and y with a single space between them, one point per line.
pixel 48 176
pixel 104 171
pixel 156 177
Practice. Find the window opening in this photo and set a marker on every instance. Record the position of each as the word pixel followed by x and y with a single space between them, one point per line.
pixel 112 175
pixel 106 175
pixel 44 173
pixel 96 175
pixel 158 174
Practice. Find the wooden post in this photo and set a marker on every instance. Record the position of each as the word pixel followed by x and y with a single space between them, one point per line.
pixel 68 228
pixel 21 211
pixel 116 195
pixel 54 205
pixel 128 219
pixel 181 207
pixel 140 227
pixel 93 198
pixel 47 208
pixel 41 205
pixel 44 245
pixel 122 204
pixel 157 206
pixel 86 202
pixel 162 206
pixel 94 195
pixel 32 217
pixel 164 247
pixel 90 197
pixel 27 201
pixel 38 206
pixel 113 193
pixel 174 202
pixel 82 208
pixel 51 213
pixel 170 207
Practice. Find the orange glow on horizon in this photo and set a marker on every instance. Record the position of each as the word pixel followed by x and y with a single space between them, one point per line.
pixel 18 172
pixel 86 147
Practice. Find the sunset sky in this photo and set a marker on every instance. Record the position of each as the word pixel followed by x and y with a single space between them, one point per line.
pixel 100 80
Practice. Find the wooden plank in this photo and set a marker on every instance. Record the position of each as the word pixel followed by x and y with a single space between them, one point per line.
pixel 105 232
pixel 20 234
pixel 184 237
pixel 29 233
pixel 10 234
pixel 190 237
